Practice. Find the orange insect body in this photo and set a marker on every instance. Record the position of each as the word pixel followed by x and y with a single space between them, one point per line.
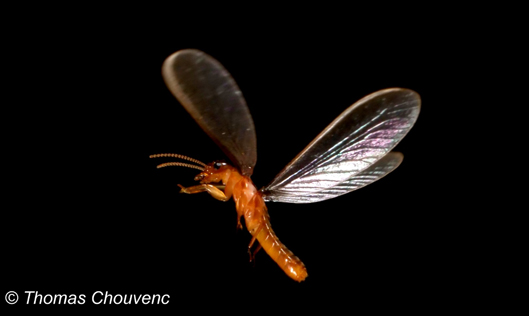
pixel 250 204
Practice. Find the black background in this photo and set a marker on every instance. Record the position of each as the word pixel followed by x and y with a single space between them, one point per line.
pixel 87 210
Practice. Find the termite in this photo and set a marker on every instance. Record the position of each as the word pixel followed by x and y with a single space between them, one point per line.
pixel 352 152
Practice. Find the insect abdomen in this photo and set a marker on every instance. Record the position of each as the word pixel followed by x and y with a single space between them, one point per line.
pixel 286 260
pixel 250 204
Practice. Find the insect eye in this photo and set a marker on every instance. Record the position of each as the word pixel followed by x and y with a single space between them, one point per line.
pixel 218 164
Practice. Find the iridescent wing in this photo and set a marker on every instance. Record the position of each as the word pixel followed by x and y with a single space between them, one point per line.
pixel 378 170
pixel 353 151
pixel 209 93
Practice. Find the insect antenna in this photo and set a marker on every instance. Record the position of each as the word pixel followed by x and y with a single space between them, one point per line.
pixel 179 164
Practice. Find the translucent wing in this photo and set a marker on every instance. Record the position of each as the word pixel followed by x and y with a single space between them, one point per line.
pixel 344 156
pixel 377 171
pixel 209 93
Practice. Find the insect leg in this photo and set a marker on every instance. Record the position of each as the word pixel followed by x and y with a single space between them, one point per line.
pixel 252 256
pixel 239 225
pixel 254 237
pixel 211 189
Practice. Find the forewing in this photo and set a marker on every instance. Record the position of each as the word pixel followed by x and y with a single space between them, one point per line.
pixel 353 142
pixel 209 93
pixel 377 171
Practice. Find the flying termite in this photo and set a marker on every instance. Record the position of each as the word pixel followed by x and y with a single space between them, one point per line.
pixel 352 152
